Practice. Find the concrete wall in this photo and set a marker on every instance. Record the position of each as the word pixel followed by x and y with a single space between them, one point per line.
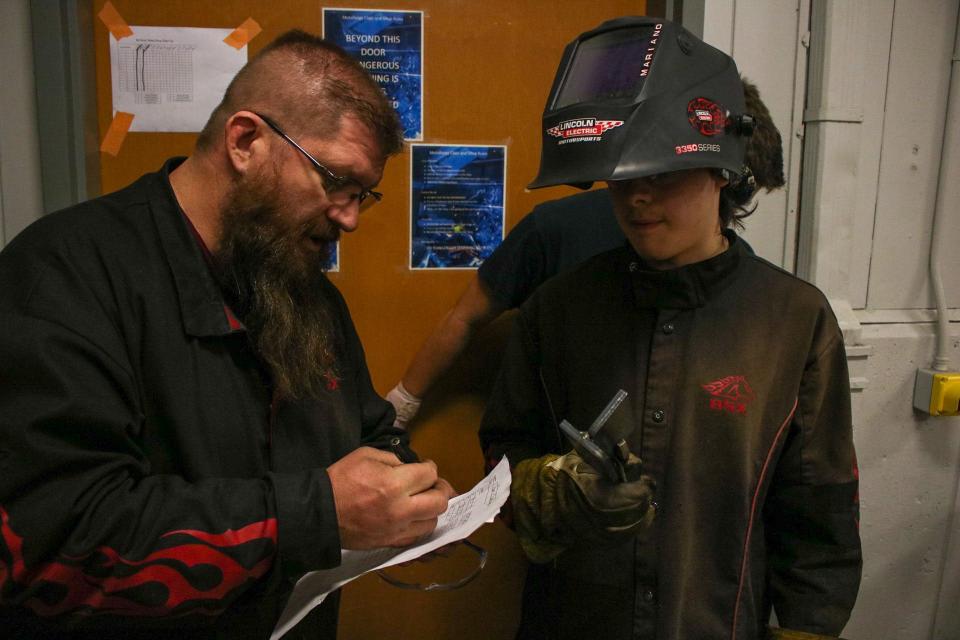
pixel 908 472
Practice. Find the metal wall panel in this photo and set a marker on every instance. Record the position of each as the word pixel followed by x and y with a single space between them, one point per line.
pixel 879 24
pixel 19 148
pixel 833 124
pixel 718 21
pixel 750 30
pixel 920 53
pixel 66 112
pixel 761 27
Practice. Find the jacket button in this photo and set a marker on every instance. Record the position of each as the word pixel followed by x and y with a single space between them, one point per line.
pixel 668 327
pixel 648 595
pixel 633 267
pixel 659 415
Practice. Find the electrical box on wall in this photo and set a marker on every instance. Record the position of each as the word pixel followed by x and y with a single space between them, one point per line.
pixel 937 392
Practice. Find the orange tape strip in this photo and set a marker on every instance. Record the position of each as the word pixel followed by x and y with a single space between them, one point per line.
pixel 243 34
pixel 116 133
pixel 115 23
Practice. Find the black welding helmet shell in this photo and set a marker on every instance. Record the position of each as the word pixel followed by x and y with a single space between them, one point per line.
pixel 639 96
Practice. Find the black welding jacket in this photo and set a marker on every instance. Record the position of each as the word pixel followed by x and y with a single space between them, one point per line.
pixel 740 403
pixel 148 483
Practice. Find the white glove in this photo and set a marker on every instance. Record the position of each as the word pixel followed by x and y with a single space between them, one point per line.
pixel 405 403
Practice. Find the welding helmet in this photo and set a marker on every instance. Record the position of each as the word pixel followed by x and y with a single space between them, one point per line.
pixel 639 96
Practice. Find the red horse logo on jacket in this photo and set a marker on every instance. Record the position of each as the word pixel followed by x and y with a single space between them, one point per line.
pixel 732 394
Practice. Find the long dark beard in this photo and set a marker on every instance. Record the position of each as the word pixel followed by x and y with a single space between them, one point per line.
pixel 273 284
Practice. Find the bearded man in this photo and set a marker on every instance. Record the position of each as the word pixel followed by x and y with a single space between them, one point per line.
pixel 184 401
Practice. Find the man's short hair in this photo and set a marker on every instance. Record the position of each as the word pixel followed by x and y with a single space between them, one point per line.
pixel 307 84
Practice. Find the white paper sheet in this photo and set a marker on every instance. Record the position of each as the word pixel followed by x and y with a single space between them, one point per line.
pixel 172 78
pixel 465 514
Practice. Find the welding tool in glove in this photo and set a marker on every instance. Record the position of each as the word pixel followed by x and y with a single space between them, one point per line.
pixel 560 501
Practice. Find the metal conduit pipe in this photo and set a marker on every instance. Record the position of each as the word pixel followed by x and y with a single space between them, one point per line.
pixel 948 200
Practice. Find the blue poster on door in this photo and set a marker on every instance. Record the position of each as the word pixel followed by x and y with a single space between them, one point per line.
pixel 389 45
pixel 331 261
pixel 456 204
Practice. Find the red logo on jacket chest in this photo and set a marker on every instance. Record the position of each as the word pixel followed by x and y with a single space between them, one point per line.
pixel 731 394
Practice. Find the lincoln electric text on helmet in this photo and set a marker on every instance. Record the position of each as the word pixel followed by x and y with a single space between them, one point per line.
pixel 640 96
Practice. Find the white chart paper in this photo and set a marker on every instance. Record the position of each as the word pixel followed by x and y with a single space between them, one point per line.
pixel 465 514
pixel 172 78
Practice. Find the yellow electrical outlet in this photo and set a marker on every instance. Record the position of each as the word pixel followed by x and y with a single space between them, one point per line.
pixel 945 394
pixel 937 392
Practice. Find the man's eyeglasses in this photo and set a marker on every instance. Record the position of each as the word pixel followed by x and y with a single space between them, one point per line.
pixel 341 190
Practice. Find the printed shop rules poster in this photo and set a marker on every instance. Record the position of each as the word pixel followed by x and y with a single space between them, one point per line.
pixel 389 45
pixel 456 204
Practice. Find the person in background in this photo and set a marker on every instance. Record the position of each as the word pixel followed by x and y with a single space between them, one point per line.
pixel 187 422
pixel 734 484
pixel 552 238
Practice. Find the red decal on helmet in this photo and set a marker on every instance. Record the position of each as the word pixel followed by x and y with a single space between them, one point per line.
pixel 583 129
pixel 706 116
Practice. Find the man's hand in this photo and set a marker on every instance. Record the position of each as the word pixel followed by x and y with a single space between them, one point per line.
pixel 383 503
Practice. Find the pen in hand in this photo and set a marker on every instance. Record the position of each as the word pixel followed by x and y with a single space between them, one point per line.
pixel 404 454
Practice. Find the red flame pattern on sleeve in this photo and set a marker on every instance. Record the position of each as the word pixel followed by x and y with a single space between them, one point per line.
pixel 100 582
pixel 12 570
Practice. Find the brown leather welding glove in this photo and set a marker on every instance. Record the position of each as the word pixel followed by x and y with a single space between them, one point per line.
pixel 559 501
pixel 597 510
